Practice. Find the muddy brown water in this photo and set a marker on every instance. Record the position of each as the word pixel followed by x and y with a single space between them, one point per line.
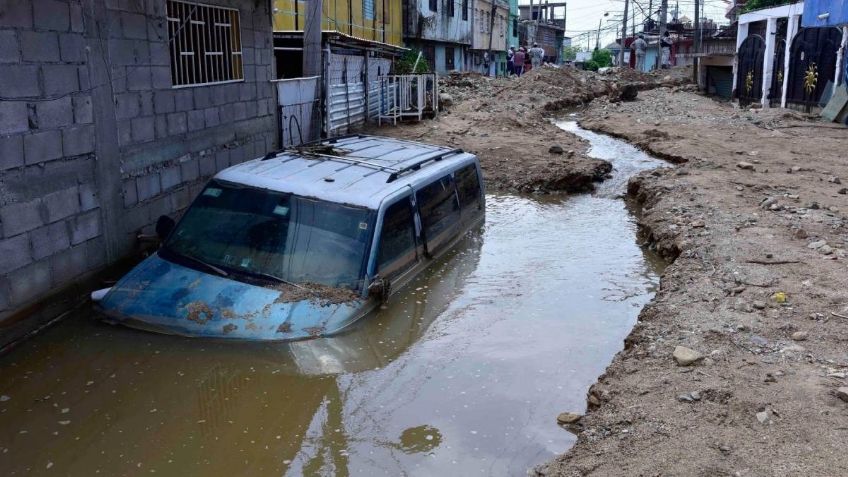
pixel 463 373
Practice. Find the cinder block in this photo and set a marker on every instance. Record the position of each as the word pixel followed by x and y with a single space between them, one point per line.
pixel 145 101
pixel 134 26
pixel 52 15
pixel 177 123
pixel 211 117
pixel 237 155
pixel 39 46
pixel 231 92
pixel 47 240
pixel 88 198
pixel 170 177
pixel 20 217
pixel 142 52
pixel 184 100
pixel 83 113
pixel 122 52
pixel 42 146
pixel 161 77
pixel 196 120
pixel 222 159
pixel 55 114
pixel 10 48
pixel 77 24
pixel 127 105
pixel 161 126
pixel 61 204
pixel 148 186
pixel 95 253
pixel 16 14
pixel 163 102
pixel 190 170
pixel 218 94
pixel 30 282
pixel 68 264
pixel 251 108
pixel 119 79
pixel 138 78
pixel 14 253
pixel 78 140
pixel 60 79
pixel 202 97
pixel 72 47
pixel 207 164
pixel 143 129
pixel 181 199
pixel 160 54
pixel 19 81
pixel 11 152
pixel 238 111
pixel 84 78
pixel 85 227
pixel 129 193
pixel 225 114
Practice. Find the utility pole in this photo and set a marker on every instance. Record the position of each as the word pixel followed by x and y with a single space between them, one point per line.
pixel 623 33
pixel 697 40
pixel 598 41
pixel 312 39
pixel 532 24
pixel 663 13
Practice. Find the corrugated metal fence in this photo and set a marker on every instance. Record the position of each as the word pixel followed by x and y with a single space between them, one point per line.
pixel 349 103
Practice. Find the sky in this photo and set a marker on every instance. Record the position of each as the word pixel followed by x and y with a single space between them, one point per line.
pixel 583 16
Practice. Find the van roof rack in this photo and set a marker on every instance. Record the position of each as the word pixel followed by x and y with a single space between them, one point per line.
pixel 417 165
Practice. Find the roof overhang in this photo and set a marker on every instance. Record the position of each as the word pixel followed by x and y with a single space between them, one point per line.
pixel 348 41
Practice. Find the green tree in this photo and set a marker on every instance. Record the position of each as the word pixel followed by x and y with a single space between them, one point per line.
pixel 406 62
pixel 602 58
pixel 569 53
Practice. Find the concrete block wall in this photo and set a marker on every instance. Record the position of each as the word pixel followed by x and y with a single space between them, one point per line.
pixel 95 144
pixel 50 228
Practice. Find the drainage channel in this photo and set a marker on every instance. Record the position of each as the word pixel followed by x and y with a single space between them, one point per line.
pixel 463 374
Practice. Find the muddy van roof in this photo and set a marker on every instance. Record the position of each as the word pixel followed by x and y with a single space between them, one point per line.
pixel 357 170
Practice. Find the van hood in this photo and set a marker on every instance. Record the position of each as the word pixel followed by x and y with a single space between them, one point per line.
pixel 166 297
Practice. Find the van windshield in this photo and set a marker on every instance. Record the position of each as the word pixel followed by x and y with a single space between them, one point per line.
pixel 273 235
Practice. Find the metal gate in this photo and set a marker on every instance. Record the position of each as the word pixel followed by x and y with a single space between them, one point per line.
pixel 749 71
pixel 776 90
pixel 812 64
pixel 298 100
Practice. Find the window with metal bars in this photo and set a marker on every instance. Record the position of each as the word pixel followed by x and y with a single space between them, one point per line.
pixel 205 44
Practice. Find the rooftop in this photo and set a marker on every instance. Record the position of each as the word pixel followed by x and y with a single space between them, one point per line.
pixel 357 170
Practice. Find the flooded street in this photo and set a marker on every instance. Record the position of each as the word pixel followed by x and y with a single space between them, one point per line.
pixel 463 373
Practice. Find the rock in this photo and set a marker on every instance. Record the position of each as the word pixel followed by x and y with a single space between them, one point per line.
pixel 697 224
pixel 842 393
pixel 628 93
pixel 799 336
pixel 768 202
pixel 793 349
pixel 593 400
pixel 760 305
pixel 800 234
pixel 814 206
pixel 764 416
pixel 568 418
pixel 686 356
pixel 826 250
pixel 817 244
pixel 555 149
pixel 4 398
pixel 795 169
pixel 843 190
pixel 745 166
pixel 834 180
pixel 695 395
pixel 685 398
pixel 445 100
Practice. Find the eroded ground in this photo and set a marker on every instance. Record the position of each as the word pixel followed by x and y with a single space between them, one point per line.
pixel 756 214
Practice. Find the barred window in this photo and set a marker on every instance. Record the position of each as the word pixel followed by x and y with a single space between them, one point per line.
pixel 205 44
pixel 368 9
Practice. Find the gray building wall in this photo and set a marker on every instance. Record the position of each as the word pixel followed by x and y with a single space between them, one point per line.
pixel 95 144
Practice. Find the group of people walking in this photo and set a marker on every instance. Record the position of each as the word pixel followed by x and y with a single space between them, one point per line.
pixel 640 48
pixel 523 60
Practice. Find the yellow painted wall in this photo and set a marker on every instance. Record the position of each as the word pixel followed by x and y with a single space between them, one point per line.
pixel 346 16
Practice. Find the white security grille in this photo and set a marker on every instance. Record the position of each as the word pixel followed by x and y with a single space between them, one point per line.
pixel 205 44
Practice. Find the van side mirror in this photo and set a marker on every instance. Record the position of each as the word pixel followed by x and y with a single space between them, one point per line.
pixel 379 289
pixel 164 226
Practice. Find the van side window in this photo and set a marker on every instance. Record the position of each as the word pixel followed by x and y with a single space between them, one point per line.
pixel 438 207
pixel 397 239
pixel 468 187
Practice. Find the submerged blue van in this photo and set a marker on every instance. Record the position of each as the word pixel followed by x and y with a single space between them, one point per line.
pixel 301 243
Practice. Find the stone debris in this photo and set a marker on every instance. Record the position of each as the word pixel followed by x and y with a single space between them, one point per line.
pixel 686 356
pixel 745 166
pixel 842 393
pixel 799 336
pixel 565 418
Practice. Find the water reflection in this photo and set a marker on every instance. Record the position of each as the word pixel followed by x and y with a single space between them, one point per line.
pixel 463 373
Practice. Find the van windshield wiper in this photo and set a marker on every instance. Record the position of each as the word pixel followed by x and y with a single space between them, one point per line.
pixel 274 278
pixel 218 270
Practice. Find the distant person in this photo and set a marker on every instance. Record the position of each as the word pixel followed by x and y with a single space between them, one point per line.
pixel 528 62
pixel 666 43
pixel 518 61
pixel 537 55
pixel 640 47
pixel 510 61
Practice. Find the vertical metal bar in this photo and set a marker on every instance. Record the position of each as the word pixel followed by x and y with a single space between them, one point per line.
pixel 183 46
pixel 175 63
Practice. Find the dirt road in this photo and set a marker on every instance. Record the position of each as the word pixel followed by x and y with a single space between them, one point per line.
pixel 504 121
pixel 755 223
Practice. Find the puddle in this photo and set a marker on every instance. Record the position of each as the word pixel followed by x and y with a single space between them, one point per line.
pixel 463 374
